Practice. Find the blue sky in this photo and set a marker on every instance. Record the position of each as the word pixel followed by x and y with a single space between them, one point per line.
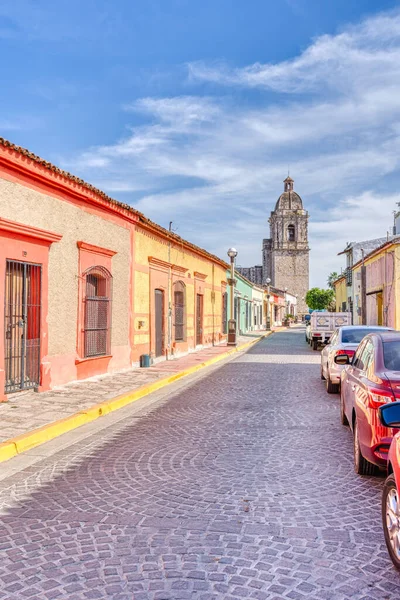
pixel 192 110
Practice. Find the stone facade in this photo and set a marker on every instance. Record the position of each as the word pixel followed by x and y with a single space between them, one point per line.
pixel 254 274
pixel 285 254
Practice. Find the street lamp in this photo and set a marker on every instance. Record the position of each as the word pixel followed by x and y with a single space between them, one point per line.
pixel 232 253
pixel 268 282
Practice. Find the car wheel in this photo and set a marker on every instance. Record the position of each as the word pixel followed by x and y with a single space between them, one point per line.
pixel 322 373
pixel 315 344
pixel 361 465
pixel 391 519
pixel 331 388
pixel 343 418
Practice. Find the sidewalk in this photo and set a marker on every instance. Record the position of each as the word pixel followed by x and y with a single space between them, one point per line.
pixel 28 411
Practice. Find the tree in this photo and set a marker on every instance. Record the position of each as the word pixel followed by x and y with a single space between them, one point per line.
pixel 332 277
pixel 318 299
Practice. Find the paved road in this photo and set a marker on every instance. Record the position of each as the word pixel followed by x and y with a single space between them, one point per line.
pixel 240 486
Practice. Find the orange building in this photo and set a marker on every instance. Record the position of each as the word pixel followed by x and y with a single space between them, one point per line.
pixel 88 284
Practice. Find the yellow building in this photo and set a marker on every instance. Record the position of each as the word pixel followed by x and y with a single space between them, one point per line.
pixel 340 294
pixel 179 294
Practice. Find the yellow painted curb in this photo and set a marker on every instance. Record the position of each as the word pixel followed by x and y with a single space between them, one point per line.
pixel 31 439
pixel 7 450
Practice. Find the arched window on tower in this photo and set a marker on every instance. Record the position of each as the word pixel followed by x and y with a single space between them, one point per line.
pixel 291 233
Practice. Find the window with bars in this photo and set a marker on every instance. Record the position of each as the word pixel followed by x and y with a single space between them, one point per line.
pixel 97 323
pixel 179 311
pixel 225 312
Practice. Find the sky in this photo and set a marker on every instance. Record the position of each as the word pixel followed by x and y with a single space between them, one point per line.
pixel 192 111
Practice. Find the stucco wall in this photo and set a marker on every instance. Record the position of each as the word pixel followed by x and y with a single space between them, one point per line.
pixel 150 276
pixel 30 207
pixel 380 273
pixel 340 294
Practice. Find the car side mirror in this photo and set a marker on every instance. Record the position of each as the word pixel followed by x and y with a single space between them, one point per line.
pixel 342 359
pixel 389 414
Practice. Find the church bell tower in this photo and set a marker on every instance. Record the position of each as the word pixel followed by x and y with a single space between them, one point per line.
pixel 286 252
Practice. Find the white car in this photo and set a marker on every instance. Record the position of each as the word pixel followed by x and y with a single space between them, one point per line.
pixel 345 340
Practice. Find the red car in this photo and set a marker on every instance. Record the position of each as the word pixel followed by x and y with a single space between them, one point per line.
pixel 371 379
pixel 390 417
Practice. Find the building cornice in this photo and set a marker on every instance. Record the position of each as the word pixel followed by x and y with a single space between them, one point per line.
pixel 29 231
pixel 31 168
pixel 96 249
pixel 201 276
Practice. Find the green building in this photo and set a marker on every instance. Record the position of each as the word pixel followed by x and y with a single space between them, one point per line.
pixel 243 303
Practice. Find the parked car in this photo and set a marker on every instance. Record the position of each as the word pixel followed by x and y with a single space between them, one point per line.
pixel 345 340
pixel 371 380
pixel 390 417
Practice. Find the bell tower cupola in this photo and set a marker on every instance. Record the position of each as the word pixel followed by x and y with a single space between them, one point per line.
pixel 288 184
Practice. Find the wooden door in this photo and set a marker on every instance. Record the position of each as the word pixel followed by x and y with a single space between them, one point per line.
pixel 379 308
pixel 199 319
pixel 159 322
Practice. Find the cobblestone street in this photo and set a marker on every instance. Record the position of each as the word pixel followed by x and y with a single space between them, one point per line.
pixel 239 485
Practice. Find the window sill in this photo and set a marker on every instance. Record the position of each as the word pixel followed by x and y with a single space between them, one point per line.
pixel 90 359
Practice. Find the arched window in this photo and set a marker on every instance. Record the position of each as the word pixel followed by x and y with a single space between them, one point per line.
pixel 291 233
pixel 97 323
pixel 225 312
pixel 179 311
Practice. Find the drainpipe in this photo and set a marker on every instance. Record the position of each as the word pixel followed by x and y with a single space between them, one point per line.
pixel 213 304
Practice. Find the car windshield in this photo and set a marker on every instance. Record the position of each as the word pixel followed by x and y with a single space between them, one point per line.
pixel 391 355
pixel 354 336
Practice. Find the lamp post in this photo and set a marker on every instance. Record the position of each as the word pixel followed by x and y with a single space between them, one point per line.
pixel 268 282
pixel 232 253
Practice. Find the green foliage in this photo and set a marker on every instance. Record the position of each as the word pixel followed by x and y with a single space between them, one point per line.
pixel 318 299
pixel 332 277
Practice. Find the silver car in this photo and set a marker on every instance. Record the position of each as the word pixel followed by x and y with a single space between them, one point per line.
pixel 345 340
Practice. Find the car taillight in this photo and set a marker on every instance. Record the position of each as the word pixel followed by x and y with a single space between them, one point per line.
pixel 378 396
pixel 349 353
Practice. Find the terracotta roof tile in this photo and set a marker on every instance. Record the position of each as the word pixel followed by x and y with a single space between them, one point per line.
pixel 142 218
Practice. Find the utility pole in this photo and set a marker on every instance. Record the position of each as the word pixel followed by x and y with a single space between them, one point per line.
pixel 169 317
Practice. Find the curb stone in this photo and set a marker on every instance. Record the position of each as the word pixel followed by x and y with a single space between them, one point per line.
pixel 32 439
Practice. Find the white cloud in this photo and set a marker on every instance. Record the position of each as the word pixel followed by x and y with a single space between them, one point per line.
pixel 355 218
pixel 360 54
pixel 214 165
